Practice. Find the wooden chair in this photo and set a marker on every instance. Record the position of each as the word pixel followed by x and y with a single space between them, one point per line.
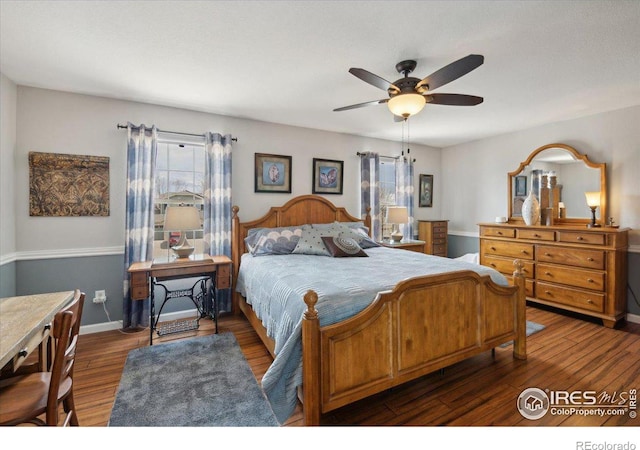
pixel 25 397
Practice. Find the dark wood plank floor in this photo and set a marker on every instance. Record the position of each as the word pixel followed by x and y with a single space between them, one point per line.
pixel 569 354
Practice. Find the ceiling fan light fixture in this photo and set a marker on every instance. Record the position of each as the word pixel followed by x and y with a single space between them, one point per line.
pixel 405 105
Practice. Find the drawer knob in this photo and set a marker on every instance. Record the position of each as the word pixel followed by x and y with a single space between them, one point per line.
pixel 493 248
pixel 23 353
pixel 499 232
pixel 589 301
pixel 580 238
pixel 492 264
pixel 536 235
pixel 524 252
pixel 590 280
pixel 547 292
pixel 548 273
pixel 590 259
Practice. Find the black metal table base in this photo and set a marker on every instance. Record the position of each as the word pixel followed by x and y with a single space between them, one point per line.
pixel 203 298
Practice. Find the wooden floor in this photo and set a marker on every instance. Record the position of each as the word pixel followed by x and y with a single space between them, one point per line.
pixel 570 354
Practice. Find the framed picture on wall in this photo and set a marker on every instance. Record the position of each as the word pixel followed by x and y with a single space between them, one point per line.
pixel 426 191
pixel 327 176
pixel 272 173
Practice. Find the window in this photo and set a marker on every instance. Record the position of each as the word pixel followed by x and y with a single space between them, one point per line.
pixel 179 182
pixel 387 188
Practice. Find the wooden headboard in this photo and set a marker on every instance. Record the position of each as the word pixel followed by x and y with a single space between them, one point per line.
pixel 297 211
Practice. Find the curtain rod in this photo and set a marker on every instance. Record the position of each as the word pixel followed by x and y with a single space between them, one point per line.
pixel 381 156
pixel 178 132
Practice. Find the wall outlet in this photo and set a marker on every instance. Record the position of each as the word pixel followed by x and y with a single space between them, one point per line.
pixel 100 297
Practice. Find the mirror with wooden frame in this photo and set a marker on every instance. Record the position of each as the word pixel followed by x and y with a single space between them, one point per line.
pixel 573 175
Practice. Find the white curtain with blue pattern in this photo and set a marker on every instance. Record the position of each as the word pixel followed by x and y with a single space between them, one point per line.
pixel 141 163
pixel 404 193
pixel 370 191
pixel 217 203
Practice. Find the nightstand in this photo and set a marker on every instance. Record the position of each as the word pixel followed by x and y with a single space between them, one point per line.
pixel 405 244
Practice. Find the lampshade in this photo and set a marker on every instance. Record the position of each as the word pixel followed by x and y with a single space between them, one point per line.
pixel 593 199
pixel 397 214
pixel 182 218
pixel 406 105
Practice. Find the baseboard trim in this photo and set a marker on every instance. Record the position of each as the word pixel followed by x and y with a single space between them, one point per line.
pixel 633 318
pixel 117 324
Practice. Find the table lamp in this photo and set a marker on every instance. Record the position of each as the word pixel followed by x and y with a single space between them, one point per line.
pixel 593 200
pixel 397 215
pixel 182 219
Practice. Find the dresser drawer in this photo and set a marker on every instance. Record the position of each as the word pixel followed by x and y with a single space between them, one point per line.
pixel 505 265
pixel 590 259
pixel 582 238
pixel 139 292
pixel 589 279
pixel 440 250
pixel 539 235
pixel 498 232
pixel 503 248
pixel 591 301
pixel 223 276
pixel 528 285
pixel 139 279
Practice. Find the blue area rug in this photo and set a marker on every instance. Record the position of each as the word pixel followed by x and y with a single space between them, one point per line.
pixel 199 382
pixel 532 328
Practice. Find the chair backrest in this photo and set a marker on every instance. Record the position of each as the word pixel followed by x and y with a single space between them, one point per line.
pixel 66 327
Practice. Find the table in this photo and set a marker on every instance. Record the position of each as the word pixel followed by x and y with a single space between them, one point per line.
pixel 25 322
pixel 145 276
pixel 405 244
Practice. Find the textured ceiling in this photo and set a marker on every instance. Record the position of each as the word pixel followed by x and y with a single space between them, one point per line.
pixel 288 62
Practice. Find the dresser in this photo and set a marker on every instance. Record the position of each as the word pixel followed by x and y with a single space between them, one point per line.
pixel 570 267
pixel 434 234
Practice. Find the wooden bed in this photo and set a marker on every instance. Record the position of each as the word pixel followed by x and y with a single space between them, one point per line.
pixel 404 334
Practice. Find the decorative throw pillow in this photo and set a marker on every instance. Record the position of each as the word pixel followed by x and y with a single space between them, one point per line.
pixel 273 241
pixel 353 230
pixel 310 242
pixel 340 247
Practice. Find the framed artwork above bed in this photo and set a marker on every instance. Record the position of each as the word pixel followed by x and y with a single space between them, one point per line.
pixel 272 173
pixel 327 176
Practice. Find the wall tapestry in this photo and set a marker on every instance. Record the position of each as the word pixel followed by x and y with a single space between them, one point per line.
pixel 68 185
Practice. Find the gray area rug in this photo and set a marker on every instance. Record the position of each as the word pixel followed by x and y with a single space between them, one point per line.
pixel 200 382
pixel 532 328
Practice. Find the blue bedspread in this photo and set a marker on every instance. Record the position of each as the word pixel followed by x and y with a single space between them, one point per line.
pixel 275 285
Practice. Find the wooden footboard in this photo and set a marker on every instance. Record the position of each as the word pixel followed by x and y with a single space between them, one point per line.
pixel 422 325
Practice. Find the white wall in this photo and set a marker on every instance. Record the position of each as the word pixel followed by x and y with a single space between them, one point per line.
pixel 59 122
pixel 611 137
pixel 8 95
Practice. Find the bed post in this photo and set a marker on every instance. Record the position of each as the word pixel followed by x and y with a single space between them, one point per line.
pixel 235 256
pixel 311 361
pixel 520 344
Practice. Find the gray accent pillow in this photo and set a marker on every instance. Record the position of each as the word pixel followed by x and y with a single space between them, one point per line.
pixel 273 241
pixel 310 242
pixel 353 230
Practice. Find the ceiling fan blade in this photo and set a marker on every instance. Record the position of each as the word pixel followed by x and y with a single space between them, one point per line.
pixel 360 105
pixel 374 80
pixel 451 72
pixel 454 99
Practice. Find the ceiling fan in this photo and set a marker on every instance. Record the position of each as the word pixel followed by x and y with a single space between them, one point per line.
pixel 408 95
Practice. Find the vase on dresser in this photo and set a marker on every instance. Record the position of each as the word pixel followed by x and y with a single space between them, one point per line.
pixel 531 209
